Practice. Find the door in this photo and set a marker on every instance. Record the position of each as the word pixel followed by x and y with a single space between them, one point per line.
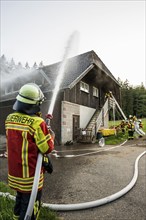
pixel 76 128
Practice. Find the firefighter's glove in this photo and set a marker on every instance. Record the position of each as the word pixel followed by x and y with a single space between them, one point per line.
pixel 49 116
pixel 47 164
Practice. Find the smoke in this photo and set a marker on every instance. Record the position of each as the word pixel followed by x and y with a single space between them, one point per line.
pixel 17 77
pixel 12 76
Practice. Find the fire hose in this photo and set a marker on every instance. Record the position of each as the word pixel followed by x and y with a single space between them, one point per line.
pixel 96 203
pixel 55 153
pixel 50 111
pixel 99 202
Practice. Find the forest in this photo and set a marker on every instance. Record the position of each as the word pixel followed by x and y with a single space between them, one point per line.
pixel 133 99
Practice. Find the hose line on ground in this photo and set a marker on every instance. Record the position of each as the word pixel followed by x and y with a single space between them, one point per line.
pixel 55 153
pixel 91 204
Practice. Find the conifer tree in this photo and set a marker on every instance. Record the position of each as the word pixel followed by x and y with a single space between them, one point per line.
pixel 27 65
pixel 133 99
pixel 19 66
pixel 41 64
pixel 35 66
pixel 12 64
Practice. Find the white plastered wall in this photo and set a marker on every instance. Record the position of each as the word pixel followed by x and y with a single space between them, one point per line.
pixel 85 115
pixel 68 110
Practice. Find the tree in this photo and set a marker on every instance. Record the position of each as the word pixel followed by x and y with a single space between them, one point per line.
pixel 4 66
pixel 41 64
pixel 19 66
pixel 140 101
pixel 133 99
pixel 27 66
pixel 35 66
pixel 12 64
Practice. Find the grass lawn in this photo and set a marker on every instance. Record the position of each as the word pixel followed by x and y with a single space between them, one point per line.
pixel 7 205
pixel 119 137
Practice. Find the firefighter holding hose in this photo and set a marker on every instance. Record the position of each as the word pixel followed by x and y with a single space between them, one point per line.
pixel 27 135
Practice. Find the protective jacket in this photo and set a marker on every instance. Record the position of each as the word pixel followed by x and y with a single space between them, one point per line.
pixel 130 127
pixel 26 137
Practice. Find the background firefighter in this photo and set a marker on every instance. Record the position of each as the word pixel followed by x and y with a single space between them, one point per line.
pixel 123 126
pixel 130 127
pixel 27 135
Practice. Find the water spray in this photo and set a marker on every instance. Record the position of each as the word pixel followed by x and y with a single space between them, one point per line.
pixel 50 111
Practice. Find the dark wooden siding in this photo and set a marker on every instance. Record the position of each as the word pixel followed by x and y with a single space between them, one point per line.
pixel 95 78
pixel 75 95
pixel 5 109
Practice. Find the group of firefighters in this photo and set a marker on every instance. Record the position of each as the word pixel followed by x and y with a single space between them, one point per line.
pixel 28 134
pixel 133 126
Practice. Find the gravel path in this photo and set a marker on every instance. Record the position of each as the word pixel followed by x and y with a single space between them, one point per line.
pixel 95 176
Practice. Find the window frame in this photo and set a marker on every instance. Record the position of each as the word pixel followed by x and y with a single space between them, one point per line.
pixel 84 87
pixel 95 92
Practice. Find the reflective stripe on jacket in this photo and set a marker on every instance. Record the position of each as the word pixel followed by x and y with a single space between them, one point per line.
pixel 26 136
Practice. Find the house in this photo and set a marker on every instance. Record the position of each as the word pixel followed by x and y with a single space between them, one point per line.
pixel 82 94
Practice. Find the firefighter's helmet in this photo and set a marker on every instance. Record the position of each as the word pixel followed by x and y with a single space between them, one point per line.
pixel 30 94
pixel 134 118
pixel 29 99
pixel 130 116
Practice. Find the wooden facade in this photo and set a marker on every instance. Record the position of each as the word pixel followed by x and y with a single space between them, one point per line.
pixel 85 83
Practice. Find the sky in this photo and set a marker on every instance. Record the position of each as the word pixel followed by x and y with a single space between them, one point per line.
pixel 35 31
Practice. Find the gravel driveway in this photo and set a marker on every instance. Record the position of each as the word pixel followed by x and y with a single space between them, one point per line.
pixel 98 174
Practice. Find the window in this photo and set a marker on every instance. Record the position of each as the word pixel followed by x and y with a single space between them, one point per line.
pixel 95 92
pixel 84 87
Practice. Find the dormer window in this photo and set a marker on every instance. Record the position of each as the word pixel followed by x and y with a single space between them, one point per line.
pixel 95 92
pixel 84 87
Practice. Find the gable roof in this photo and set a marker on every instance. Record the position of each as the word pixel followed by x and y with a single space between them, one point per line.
pixel 76 68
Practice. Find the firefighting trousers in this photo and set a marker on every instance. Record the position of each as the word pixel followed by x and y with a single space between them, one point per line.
pixel 21 204
pixel 130 134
